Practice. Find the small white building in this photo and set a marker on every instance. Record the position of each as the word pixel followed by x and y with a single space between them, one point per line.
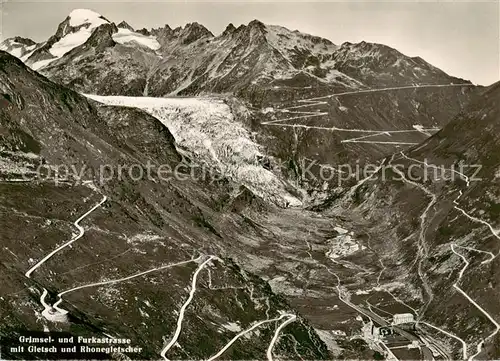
pixel 414 344
pixel 400 318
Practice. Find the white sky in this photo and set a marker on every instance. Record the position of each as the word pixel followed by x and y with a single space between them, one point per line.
pixel 462 38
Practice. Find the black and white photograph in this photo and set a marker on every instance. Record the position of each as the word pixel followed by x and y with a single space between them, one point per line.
pixel 250 180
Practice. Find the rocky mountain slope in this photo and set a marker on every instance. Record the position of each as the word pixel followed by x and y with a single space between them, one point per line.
pixel 153 233
pixel 434 219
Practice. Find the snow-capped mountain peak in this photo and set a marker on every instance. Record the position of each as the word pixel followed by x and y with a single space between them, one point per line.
pixel 73 32
pixel 81 26
pixel 80 17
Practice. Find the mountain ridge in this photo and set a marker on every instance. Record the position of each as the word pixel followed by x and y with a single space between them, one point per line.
pixel 303 52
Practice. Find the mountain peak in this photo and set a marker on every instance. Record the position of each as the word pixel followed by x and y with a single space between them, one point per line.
pixel 80 17
pixel 194 31
pixel 125 25
pixel 196 27
pixel 256 23
pixel 229 29
pixel 370 49
pixel 24 41
pixel 73 32
pixel 102 37
pixel 144 32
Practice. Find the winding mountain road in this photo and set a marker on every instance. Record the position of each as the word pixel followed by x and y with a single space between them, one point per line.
pixel 365 91
pixel 291 318
pixel 455 285
pixel 453 247
pixel 320 101
pixel 51 313
pixel 103 283
pixel 184 307
pixel 81 232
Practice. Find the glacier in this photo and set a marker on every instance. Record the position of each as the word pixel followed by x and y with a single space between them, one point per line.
pixel 207 129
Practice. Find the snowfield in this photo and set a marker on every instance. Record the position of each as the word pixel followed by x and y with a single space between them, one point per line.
pixel 124 36
pixel 206 128
pixel 70 42
pixel 85 16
